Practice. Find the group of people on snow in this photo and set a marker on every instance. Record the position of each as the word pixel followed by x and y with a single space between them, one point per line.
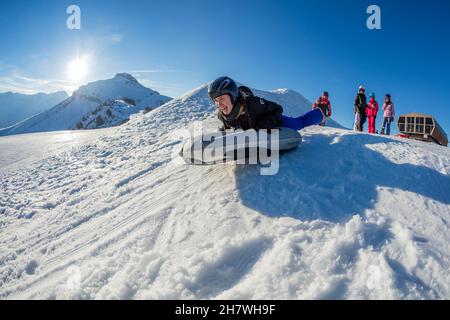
pixel 239 108
pixel 364 111
pixel 368 111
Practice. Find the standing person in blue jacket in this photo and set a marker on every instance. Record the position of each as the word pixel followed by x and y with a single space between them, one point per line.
pixel 238 108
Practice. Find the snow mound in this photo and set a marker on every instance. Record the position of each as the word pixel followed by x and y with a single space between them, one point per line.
pixel 93 101
pixel 348 215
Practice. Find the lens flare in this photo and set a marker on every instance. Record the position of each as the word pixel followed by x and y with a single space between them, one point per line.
pixel 77 69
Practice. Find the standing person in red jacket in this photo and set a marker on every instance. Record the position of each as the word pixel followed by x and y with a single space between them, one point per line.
pixel 371 112
pixel 324 104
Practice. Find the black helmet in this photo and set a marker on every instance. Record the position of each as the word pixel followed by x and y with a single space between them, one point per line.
pixel 221 86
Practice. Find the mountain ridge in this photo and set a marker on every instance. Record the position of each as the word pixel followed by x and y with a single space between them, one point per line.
pixel 84 102
pixel 16 107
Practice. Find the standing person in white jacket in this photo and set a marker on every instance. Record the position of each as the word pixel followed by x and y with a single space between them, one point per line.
pixel 388 116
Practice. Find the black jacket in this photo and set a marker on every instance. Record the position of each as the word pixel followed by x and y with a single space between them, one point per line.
pixel 253 113
pixel 361 103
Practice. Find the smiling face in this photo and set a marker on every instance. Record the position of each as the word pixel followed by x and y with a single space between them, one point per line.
pixel 224 104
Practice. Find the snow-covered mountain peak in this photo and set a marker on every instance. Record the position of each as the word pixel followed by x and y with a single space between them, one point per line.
pixel 199 92
pixel 93 106
pixel 126 76
pixel 123 85
pixel 282 90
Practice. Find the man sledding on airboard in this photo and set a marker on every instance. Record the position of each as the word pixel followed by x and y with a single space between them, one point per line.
pixel 240 109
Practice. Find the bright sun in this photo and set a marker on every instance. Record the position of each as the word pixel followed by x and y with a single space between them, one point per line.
pixel 77 69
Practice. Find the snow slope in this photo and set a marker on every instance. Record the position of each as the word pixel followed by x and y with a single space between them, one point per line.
pixel 15 107
pixel 88 101
pixel 349 215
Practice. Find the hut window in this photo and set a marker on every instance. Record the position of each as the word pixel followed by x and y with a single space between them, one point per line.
pixel 419 124
pixel 410 124
pixel 401 124
pixel 419 128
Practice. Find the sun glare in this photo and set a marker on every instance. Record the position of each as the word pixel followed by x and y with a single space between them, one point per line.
pixel 77 69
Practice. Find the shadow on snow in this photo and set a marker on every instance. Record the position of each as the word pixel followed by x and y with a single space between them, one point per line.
pixel 333 177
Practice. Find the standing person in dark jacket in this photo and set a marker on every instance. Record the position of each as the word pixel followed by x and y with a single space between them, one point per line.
pixel 240 109
pixel 360 109
pixel 324 104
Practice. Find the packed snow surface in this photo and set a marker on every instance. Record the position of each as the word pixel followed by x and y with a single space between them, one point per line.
pixel 114 214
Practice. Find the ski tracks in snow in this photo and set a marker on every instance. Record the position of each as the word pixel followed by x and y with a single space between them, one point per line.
pixel 98 232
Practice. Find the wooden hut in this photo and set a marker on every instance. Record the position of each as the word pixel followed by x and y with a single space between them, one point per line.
pixel 422 127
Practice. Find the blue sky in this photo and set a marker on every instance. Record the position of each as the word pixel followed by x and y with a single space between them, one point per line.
pixel 174 46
